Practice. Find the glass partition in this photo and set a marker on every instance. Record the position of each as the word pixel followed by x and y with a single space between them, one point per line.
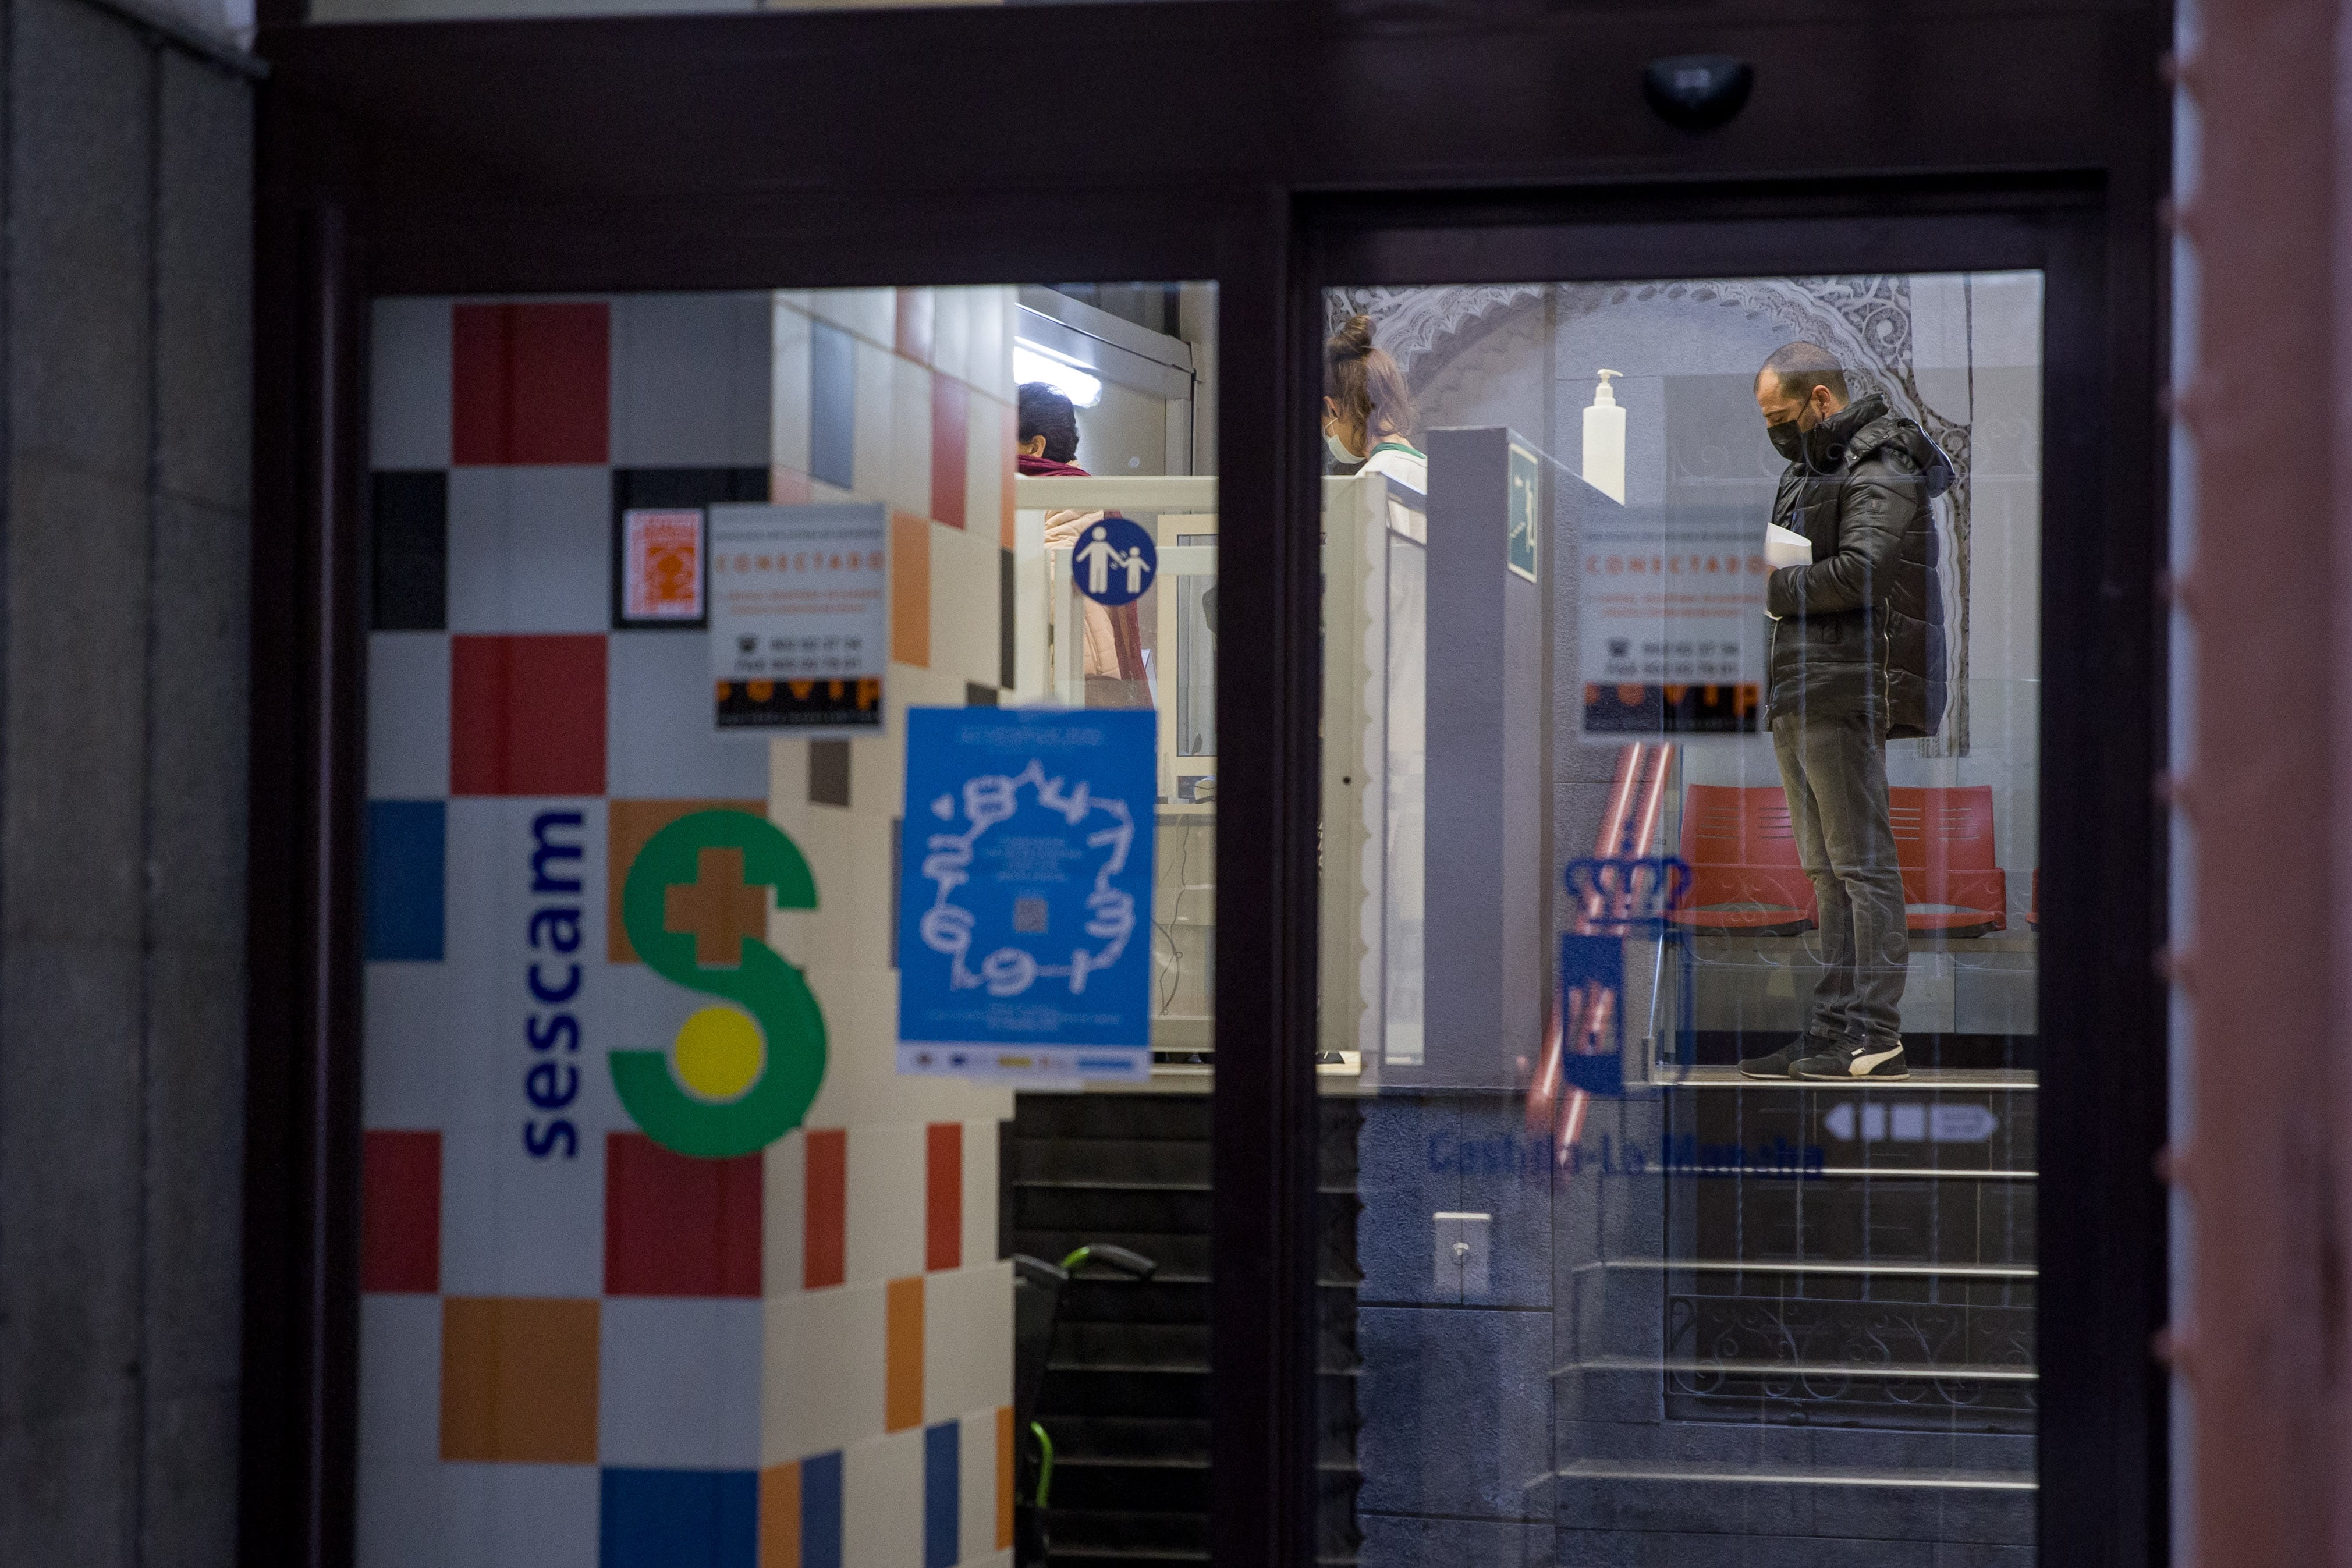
pixel 1680 915
pixel 790 927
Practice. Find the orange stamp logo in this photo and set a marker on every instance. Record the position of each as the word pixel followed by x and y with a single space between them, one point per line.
pixel 661 567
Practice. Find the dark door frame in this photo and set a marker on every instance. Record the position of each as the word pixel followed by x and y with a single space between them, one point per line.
pixel 2100 1210
pixel 1269 147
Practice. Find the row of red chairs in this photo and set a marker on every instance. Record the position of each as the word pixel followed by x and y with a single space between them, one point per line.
pixel 1745 876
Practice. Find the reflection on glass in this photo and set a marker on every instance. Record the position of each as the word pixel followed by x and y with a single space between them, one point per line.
pixel 1114 544
pixel 936 1309
pixel 1406 747
pixel 1693 962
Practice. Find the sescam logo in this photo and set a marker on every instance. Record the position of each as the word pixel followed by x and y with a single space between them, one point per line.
pixel 736 1079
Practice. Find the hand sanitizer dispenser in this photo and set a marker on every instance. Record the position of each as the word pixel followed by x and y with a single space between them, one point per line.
pixel 1604 441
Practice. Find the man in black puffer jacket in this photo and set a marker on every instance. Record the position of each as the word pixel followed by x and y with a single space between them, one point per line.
pixel 1857 657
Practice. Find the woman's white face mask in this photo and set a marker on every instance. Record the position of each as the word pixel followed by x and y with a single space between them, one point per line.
pixel 1339 449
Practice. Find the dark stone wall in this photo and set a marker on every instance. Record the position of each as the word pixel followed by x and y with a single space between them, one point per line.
pixel 125 281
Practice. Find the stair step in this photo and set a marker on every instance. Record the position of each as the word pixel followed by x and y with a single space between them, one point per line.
pixel 1157 1486
pixel 1813 1266
pixel 1971 1079
pixel 1079 1533
pixel 1130 1436
pixel 1038 1159
pixel 1156 1345
pixel 1866 1504
pixel 1179 1118
pixel 1926 1172
pixel 1905 1371
pixel 1181 1257
pixel 1158 1301
pixel 1094 1209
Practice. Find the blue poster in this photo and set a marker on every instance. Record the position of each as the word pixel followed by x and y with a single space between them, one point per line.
pixel 1024 901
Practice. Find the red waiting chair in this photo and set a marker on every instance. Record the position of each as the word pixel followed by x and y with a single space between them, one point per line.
pixel 1745 876
pixel 1943 841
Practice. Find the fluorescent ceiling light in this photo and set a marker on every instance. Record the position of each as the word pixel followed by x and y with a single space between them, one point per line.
pixel 1032 362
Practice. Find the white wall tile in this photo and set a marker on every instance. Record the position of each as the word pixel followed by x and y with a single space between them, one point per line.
pixel 882 1502
pixel 399 1380
pixel 477 1516
pixel 951 331
pixel 910 461
pixel 1029 599
pixel 692 375
pixel 409 358
pixel 398 1508
pixel 512 1225
pixel 875 439
pixel 851 924
pixel 519 1516
pixel 660 739
pixel 976 1486
pixel 964 606
pixel 405 1066
pixel 987 452
pixel 530 550
pixel 884 1218
pixel 989 361
pixel 784 1225
pixel 408 715
pixel 871 313
pixel 674 1391
pixel 823 1372
pixel 967 1340
pixel 979 1154
pixel 789 391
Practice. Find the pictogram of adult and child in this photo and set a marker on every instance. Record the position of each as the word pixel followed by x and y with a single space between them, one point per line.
pixel 1109 574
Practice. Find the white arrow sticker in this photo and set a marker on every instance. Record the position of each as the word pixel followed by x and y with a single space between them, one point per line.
pixel 1908 1122
pixel 1961 1123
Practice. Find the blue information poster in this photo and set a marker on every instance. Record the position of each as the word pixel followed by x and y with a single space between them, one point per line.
pixel 1024 902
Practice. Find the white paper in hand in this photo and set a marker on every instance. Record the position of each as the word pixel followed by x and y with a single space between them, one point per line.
pixel 1786 547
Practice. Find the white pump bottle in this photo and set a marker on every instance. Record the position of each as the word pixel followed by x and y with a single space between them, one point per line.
pixel 1604 441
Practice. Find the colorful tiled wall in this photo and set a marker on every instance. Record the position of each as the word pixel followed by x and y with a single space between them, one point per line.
pixel 578 1348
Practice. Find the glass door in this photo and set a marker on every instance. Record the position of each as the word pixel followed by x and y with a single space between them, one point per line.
pixel 1681 917
pixel 790 944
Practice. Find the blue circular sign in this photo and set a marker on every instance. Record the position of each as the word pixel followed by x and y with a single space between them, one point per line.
pixel 1114 561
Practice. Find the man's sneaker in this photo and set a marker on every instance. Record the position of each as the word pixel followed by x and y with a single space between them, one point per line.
pixel 1856 1060
pixel 1782 1063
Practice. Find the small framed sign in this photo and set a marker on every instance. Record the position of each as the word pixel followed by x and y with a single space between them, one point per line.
pixel 664 561
pixel 1527 509
pixel 800 624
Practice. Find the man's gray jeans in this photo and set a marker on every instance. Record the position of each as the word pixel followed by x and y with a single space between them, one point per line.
pixel 1834 771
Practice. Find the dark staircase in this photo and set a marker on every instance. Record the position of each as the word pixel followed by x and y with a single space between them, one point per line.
pixel 1127 1392
pixel 1855 1340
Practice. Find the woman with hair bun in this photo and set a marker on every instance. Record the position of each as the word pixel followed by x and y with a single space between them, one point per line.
pixel 1368 415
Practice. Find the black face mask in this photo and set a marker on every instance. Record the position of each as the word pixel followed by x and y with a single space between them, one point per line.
pixel 1787 440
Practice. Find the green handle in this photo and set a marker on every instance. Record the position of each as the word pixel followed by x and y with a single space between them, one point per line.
pixel 1045 1461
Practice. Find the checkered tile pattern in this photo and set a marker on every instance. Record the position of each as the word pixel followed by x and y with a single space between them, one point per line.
pixel 577 1347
